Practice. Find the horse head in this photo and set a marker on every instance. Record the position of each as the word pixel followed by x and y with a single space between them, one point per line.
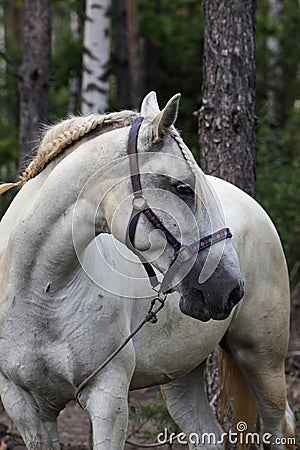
pixel 165 211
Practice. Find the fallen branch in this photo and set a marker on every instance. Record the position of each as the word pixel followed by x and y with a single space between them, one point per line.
pixel 13 67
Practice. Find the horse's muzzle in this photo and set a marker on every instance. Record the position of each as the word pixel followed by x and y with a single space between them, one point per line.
pixel 203 305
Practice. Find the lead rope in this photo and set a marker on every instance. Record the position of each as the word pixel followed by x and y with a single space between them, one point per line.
pixel 151 317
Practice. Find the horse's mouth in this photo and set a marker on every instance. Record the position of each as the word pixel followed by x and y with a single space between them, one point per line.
pixel 201 311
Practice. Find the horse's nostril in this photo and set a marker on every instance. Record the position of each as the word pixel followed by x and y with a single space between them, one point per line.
pixel 235 296
pixel 197 292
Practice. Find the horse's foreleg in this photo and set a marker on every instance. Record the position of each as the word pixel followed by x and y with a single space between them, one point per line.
pixel 36 433
pixel 106 401
pixel 188 405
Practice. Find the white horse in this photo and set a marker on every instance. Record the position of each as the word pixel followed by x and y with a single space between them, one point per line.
pixel 69 298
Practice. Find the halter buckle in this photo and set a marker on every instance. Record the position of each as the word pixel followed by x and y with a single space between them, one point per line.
pixel 184 253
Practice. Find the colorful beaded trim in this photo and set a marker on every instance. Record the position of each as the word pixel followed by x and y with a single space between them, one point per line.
pixel 196 247
pixel 153 218
pixel 211 239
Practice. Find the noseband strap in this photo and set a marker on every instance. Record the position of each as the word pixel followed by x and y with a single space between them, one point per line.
pixel 139 205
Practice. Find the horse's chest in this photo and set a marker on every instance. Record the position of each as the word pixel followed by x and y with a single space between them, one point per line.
pixel 46 349
pixel 31 363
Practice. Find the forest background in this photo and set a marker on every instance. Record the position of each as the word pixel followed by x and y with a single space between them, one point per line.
pixel 168 59
pixel 160 47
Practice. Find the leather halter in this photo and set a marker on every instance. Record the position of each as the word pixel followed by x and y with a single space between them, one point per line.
pixel 139 205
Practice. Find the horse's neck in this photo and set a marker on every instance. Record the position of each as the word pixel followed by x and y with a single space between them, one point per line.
pixel 41 247
pixel 23 202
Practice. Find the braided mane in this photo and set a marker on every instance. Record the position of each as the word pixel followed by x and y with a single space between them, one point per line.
pixel 67 132
pixel 58 137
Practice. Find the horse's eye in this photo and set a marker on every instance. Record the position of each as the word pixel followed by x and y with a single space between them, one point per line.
pixel 184 189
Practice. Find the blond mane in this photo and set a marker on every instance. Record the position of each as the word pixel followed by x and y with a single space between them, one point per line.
pixel 69 131
pixel 64 134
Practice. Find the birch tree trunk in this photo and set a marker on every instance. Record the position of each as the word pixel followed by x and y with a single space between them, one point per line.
pixel 96 57
pixel 227 115
pixel 35 75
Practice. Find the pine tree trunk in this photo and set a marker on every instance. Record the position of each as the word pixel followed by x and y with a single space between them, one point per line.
pixel 2 44
pixel 134 53
pixel 152 57
pixel 16 21
pixel 227 115
pixel 76 25
pixel 121 61
pixel 127 55
pixel 96 57
pixel 275 82
pixel 35 75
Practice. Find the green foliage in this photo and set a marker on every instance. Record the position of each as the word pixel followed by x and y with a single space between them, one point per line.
pixel 287 32
pixel 176 30
pixel 9 119
pixel 8 172
pixel 66 56
pixel 278 180
pixel 150 418
pixel 9 94
pixel 278 148
pixel 297 417
pixel 66 63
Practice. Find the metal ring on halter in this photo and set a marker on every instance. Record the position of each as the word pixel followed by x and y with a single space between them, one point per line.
pixel 139 202
pixel 157 289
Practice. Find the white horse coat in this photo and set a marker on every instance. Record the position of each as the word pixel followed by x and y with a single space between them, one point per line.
pixel 64 309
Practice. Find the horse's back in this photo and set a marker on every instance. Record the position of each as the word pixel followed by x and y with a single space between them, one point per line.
pixel 254 234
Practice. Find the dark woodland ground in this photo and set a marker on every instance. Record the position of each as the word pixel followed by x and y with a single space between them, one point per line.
pixel 74 424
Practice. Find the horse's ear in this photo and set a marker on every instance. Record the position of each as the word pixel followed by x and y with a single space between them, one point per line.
pixel 149 105
pixel 166 118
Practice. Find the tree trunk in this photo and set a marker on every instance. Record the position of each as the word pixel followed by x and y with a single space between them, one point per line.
pixel 35 75
pixel 151 55
pixel 16 13
pixel 2 46
pixel 134 54
pixel 76 25
pixel 227 114
pixel 96 57
pixel 127 55
pixel 121 61
pixel 275 82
